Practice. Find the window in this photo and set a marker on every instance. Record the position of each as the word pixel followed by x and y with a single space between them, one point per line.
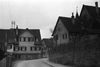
pixel 64 36
pixel 32 48
pixel 35 38
pixel 9 46
pixel 20 39
pixel 39 48
pixel 16 48
pixel 23 48
pixel 32 39
pixel 35 48
pixel 24 39
pixel 29 39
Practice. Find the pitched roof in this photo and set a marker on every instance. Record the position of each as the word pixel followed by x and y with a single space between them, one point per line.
pixel 48 42
pixel 69 25
pixel 91 10
pixel 72 27
pixel 35 32
pixel 9 34
pixel 6 34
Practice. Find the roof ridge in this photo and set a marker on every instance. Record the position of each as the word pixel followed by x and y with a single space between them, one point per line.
pixel 64 17
pixel 90 6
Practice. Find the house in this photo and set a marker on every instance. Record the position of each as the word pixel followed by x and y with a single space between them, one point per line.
pixel 90 16
pixel 65 27
pixel 22 43
pixel 48 43
pixel 73 28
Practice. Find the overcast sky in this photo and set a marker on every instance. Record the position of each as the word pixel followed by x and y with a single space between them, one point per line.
pixel 38 14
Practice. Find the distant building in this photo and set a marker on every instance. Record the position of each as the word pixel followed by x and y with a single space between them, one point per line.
pixel 48 43
pixel 72 28
pixel 22 43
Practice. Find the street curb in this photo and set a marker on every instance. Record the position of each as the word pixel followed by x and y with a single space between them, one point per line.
pixel 48 64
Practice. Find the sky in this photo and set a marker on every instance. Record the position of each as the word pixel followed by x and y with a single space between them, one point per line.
pixel 38 14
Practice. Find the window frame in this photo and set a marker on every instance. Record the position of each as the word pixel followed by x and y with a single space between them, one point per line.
pixel 64 36
pixel 23 47
pixel 24 39
pixel 17 48
pixel 32 48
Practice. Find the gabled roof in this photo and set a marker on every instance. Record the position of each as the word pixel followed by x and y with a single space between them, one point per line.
pixel 69 25
pixel 48 42
pixel 91 10
pixel 72 27
pixel 64 19
pixel 9 34
pixel 6 34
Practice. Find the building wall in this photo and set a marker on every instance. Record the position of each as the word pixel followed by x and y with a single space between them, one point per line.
pixel 62 34
pixel 25 45
pixel 28 49
pixel 26 35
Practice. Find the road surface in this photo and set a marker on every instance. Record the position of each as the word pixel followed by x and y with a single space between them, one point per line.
pixel 36 63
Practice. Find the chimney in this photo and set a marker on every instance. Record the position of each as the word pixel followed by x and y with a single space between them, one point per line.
pixel 13 24
pixel 17 38
pixel 72 17
pixel 16 29
pixel 97 9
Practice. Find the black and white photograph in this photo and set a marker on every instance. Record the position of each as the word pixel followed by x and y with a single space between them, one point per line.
pixel 49 33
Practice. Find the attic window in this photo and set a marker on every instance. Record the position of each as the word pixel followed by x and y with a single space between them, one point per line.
pixel 64 36
pixel 29 39
pixel 24 38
